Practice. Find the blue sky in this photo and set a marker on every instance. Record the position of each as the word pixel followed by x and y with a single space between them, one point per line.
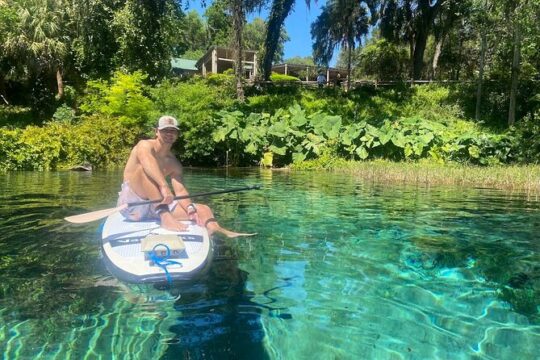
pixel 297 24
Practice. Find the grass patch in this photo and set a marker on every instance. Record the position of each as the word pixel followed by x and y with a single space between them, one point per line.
pixel 512 177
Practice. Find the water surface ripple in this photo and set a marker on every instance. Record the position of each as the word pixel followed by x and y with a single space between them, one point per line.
pixel 340 269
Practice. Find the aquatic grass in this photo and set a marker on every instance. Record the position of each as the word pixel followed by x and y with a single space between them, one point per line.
pixel 425 173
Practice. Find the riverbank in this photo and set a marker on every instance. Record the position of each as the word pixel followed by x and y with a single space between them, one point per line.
pixel 509 177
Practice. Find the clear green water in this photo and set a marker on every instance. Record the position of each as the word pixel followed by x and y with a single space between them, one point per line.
pixel 341 269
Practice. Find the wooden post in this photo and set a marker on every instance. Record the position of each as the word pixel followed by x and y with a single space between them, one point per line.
pixel 327 76
pixel 285 69
pixel 214 61
pixel 254 65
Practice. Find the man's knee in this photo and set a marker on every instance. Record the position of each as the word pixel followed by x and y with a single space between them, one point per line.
pixel 201 208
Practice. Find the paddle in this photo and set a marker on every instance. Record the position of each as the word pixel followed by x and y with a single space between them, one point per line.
pixel 100 214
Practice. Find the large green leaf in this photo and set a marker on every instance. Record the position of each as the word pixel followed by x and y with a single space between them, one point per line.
pixel 418 148
pixel 399 139
pixel 362 152
pixel 426 138
pixel 385 135
pixel 298 157
pixel 278 150
pixel 474 151
pixel 278 129
pixel 251 148
pixel 350 133
pixel 408 150
pixel 298 116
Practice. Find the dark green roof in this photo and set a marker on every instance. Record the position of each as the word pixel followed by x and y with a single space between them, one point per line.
pixel 184 64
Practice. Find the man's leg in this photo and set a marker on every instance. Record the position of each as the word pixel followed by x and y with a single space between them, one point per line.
pixel 206 216
pixel 146 188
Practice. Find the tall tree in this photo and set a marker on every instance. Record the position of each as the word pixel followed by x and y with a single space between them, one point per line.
pixel 8 27
pixel 279 11
pixel 41 40
pixel 255 35
pixel 411 21
pixel 482 19
pixel 517 18
pixel 94 42
pixel 219 23
pixel 341 23
pixel 238 10
pixel 141 34
pixel 450 13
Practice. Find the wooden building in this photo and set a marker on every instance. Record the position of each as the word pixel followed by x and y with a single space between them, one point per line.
pixel 219 59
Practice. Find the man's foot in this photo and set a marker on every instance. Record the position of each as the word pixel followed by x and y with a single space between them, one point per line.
pixel 232 234
pixel 170 223
pixel 212 226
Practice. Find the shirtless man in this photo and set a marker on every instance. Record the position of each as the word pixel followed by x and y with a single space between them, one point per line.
pixel 148 166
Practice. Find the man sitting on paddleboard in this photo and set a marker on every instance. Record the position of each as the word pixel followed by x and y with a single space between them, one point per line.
pixel 149 164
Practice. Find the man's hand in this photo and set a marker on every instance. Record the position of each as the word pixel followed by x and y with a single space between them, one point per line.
pixel 167 195
pixel 195 219
pixel 193 216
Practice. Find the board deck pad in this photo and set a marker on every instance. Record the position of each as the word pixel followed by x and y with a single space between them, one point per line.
pixel 123 255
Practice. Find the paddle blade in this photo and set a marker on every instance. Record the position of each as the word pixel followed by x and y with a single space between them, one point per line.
pixel 94 215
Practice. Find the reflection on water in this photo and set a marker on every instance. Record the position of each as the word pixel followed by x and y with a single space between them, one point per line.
pixel 340 269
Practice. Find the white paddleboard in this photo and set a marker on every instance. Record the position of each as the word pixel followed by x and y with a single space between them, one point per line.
pixel 122 248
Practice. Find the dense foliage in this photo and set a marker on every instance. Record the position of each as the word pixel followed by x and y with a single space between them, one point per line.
pixel 291 123
pixel 95 140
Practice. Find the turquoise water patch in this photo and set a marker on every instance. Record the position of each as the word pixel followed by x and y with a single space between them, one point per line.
pixel 339 269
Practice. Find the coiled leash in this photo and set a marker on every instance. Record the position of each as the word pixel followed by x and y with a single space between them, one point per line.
pixel 164 261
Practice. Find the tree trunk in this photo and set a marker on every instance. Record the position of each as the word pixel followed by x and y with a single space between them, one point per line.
pixel 419 49
pixel 515 75
pixel 435 62
pixel 60 82
pixel 460 56
pixel 480 75
pixel 423 27
pixel 238 27
pixel 280 10
pixel 3 90
pixel 349 62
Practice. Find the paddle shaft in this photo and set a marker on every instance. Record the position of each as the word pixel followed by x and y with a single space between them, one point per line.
pixel 253 187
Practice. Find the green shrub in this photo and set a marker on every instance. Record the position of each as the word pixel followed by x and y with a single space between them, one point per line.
pixel 275 77
pixel 527 139
pixel 294 135
pixel 64 114
pixel 195 104
pixel 432 102
pixel 16 116
pixel 383 60
pixel 222 80
pixel 97 140
pixel 123 98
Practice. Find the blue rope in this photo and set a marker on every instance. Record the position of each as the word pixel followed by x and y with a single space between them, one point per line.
pixel 162 262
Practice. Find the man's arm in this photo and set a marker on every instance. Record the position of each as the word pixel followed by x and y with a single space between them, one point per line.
pixel 150 165
pixel 179 188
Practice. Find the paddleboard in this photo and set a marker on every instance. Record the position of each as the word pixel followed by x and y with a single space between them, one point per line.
pixel 144 252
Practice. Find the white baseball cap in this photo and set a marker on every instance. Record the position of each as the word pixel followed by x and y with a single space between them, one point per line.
pixel 167 122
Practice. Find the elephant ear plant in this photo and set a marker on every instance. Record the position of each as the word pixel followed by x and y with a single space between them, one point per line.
pixel 292 136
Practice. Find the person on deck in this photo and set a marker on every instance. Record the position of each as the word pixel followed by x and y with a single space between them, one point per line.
pixel 338 80
pixel 321 80
pixel 149 165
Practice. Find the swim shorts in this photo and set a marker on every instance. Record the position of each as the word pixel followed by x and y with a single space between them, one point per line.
pixel 139 212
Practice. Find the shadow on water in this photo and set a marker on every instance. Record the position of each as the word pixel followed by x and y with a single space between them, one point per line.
pixel 218 318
